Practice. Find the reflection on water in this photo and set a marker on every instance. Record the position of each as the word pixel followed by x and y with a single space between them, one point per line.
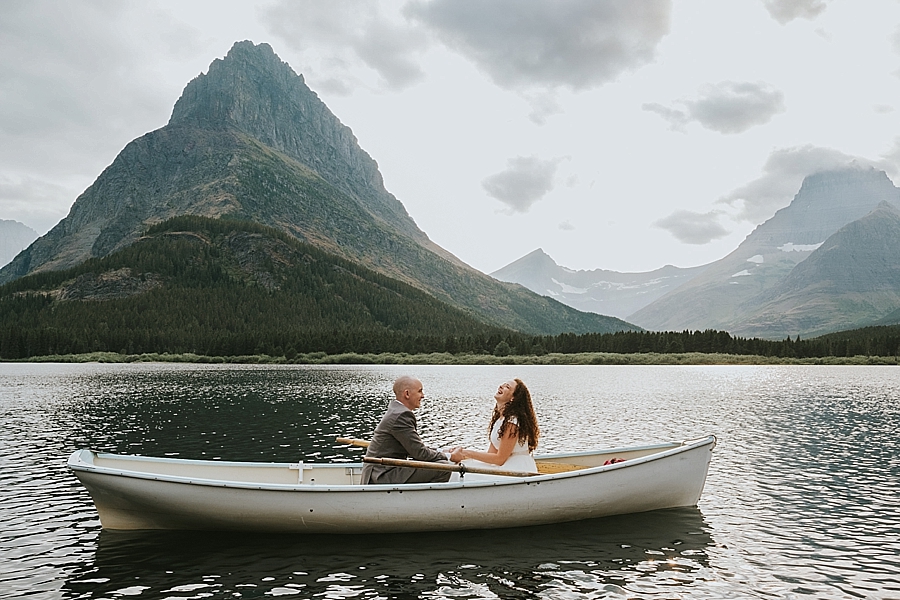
pixel 800 500
pixel 584 558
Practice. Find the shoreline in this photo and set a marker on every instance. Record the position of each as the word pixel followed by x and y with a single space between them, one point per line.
pixel 584 358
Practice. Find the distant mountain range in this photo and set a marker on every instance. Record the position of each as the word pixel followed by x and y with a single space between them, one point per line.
pixel 599 291
pixel 249 140
pixel 736 292
pixel 14 237
pixel 827 262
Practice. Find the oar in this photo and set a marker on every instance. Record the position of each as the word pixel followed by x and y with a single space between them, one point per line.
pixel 543 467
pixel 460 468
pixel 418 464
pixel 352 442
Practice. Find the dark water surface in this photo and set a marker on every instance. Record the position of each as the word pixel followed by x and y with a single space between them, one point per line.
pixel 802 500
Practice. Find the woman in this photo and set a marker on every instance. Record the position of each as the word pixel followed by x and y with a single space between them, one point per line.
pixel 513 431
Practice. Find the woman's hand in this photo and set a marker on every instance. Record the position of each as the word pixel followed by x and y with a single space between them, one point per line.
pixel 457 454
pixel 497 456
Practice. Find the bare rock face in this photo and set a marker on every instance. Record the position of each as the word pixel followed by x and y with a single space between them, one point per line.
pixel 253 91
pixel 109 285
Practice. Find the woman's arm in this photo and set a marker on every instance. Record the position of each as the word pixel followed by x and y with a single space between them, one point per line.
pixel 497 456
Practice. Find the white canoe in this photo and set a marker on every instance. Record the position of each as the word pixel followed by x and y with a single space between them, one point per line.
pixel 136 492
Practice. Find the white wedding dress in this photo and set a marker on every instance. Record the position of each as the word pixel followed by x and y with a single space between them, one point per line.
pixel 519 460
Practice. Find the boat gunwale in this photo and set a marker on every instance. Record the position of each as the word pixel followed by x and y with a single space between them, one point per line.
pixel 75 463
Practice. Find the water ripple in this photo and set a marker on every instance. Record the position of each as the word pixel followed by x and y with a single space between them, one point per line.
pixel 800 501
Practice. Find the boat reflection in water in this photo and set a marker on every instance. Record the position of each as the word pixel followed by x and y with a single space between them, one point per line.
pixel 653 550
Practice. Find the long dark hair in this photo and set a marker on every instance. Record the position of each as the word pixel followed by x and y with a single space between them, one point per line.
pixel 522 410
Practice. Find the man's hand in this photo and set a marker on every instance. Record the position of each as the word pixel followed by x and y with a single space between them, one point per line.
pixel 456 454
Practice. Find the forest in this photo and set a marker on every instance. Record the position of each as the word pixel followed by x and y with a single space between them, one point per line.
pixel 232 288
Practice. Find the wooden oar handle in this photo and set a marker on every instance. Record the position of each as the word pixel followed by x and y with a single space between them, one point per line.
pixel 353 442
pixel 421 464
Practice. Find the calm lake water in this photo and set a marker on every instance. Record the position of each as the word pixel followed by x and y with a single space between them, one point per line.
pixel 802 499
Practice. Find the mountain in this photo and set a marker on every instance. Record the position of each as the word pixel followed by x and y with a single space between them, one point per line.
pixel 14 237
pixel 850 281
pixel 892 318
pixel 599 291
pixel 732 289
pixel 249 140
pixel 225 287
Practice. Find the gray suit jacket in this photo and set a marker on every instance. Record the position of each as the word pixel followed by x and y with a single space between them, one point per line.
pixel 396 437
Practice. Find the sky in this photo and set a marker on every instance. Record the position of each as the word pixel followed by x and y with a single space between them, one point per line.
pixel 613 134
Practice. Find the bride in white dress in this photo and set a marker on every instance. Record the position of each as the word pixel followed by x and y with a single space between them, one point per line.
pixel 514 432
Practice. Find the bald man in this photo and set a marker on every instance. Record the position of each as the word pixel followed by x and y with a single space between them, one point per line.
pixel 396 437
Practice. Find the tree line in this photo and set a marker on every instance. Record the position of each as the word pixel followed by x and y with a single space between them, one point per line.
pixel 127 333
pixel 231 288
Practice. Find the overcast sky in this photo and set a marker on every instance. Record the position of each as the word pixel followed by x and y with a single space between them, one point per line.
pixel 615 134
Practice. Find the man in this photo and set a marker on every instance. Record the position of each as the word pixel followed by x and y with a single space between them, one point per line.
pixel 396 437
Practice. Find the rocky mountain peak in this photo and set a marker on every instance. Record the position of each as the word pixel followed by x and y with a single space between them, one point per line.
pixel 825 183
pixel 885 206
pixel 534 260
pixel 599 290
pixel 254 91
pixel 239 90
pixel 827 201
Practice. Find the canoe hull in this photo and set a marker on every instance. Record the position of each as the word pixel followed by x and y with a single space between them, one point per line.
pixel 130 500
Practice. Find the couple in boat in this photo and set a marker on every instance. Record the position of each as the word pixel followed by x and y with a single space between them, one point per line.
pixel 513 437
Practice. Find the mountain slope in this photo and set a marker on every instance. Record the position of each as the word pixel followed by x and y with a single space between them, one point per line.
pixel 599 291
pixel 14 237
pixel 851 281
pixel 729 290
pixel 250 140
pixel 223 287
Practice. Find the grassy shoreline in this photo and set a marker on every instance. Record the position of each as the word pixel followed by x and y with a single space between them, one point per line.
pixel 585 358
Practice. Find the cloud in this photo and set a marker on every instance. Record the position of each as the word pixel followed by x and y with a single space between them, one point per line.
pixel 531 47
pixel 693 228
pixel 785 11
pixel 890 160
pixel 677 119
pixel 528 44
pixel 49 57
pixel 566 226
pixel 343 33
pixel 79 81
pixel 543 106
pixel 526 180
pixel 783 173
pixel 33 201
pixel 727 107
pixel 48 51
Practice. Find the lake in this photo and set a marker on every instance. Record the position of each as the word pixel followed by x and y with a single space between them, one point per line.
pixel 802 499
